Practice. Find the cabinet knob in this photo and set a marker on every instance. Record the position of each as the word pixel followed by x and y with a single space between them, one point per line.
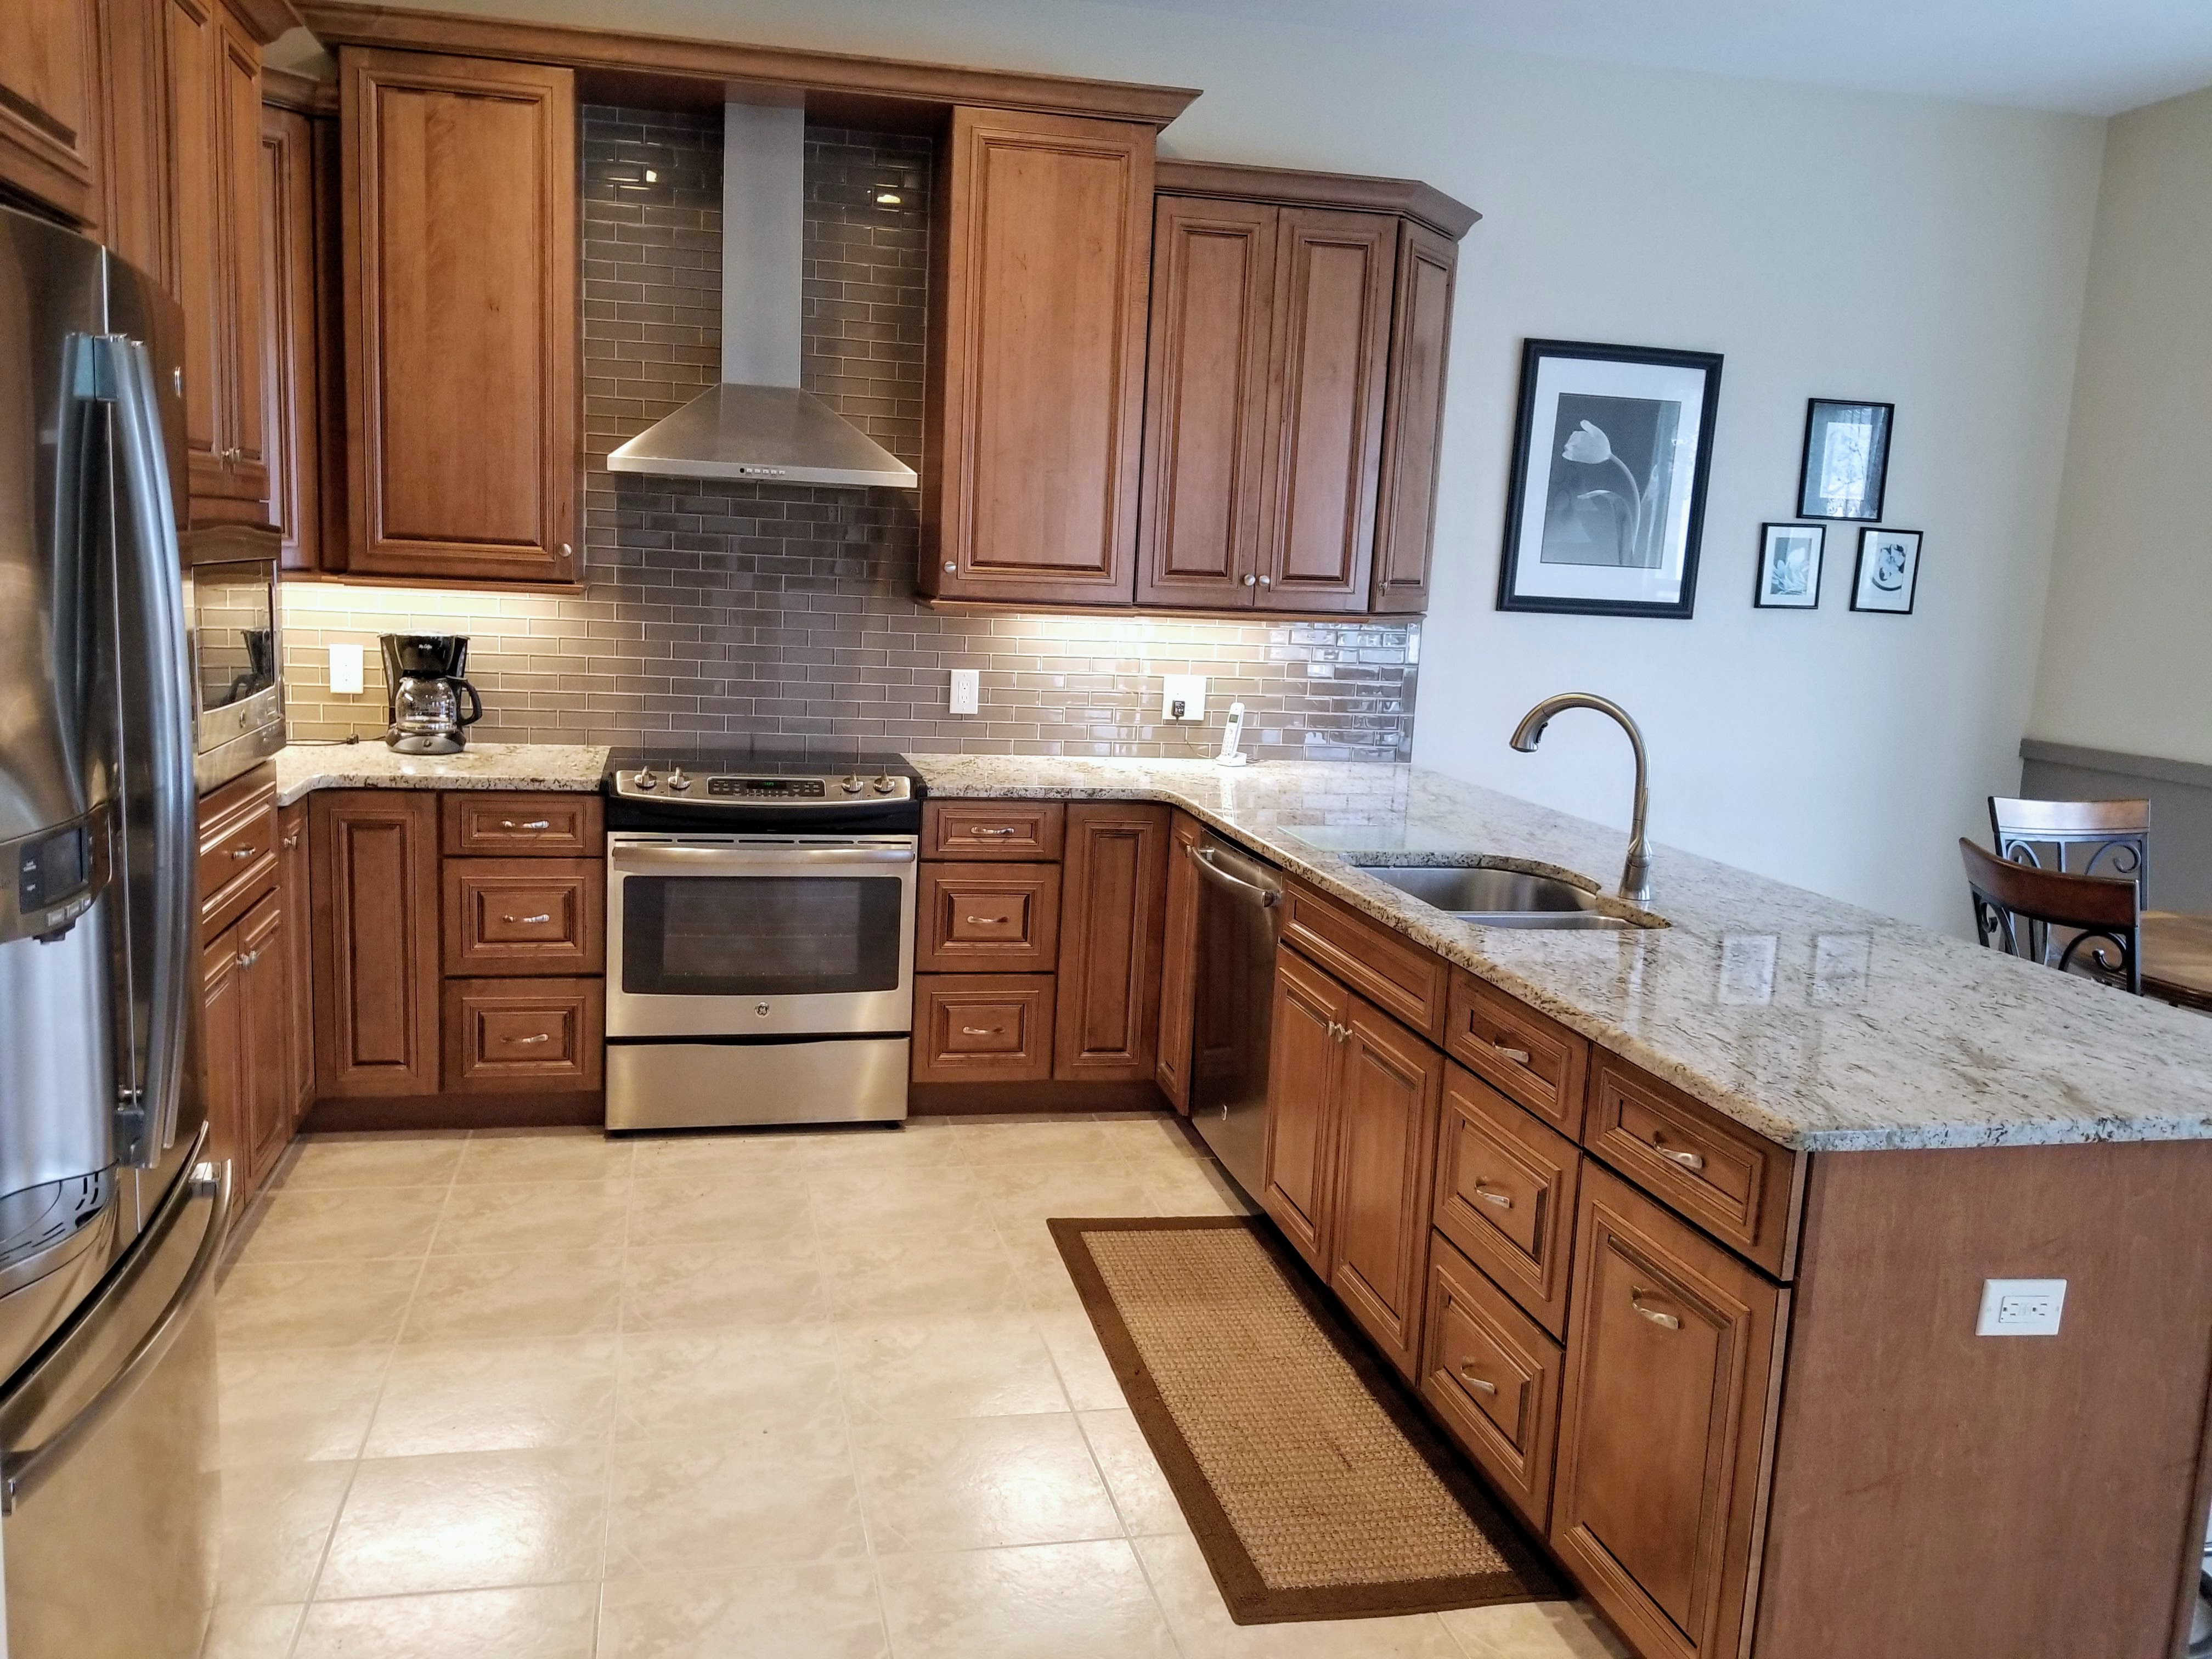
pixel 951 568
pixel 1251 582
pixel 566 551
pixel 292 840
pixel 1267 581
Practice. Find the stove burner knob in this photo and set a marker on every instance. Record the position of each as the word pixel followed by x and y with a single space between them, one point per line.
pixel 646 780
pixel 886 784
pixel 678 781
pixel 853 785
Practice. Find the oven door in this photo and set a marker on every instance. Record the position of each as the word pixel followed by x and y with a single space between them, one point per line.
pixel 759 936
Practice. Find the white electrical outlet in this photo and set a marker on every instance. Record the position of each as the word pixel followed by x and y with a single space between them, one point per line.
pixel 2020 1307
pixel 345 671
pixel 1182 696
pixel 967 690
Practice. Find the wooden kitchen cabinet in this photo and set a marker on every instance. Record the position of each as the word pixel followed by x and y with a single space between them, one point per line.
pixel 221 1033
pixel 376 976
pixel 1179 986
pixel 525 916
pixel 1505 1194
pixel 986 918
pixel 1113 903
pixel 1673 1366
pixel 1413 420
pixel 1039 258
pixel 50 103
pixel 295 882
pixel 520 1034
pixel 982 1028
pixel 1304 1061
pixel 303 364
pixel 460 318
pixel 264 967
pixel 1491 1375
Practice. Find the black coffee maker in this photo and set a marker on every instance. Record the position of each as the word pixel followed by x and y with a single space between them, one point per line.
pixel 423 687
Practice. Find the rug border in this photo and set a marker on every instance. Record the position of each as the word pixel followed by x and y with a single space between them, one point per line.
pixel 1526 1578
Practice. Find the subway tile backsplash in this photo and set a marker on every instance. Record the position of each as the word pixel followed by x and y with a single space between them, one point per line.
pixel 722 612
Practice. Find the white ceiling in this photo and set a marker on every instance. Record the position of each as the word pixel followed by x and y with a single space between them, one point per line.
pixel 2092 57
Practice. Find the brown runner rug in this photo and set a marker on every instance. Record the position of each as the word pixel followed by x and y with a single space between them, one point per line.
pixel 1316 1488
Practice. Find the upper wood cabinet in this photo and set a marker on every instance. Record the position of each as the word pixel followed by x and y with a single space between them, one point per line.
pixel 50 103
pixel 460 318
pixel 1299 324
pixel 301 372
pixel 1039 258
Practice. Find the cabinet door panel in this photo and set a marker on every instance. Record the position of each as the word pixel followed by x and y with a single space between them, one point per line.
pixel 1113 901
pixel 293 883
pixel 264 944
pixel 221 1071
pixel 376 942
pixel 1412 427
pixel 1665 1432
pixel 1041 255
pixel 195 48
pixel 291 378
pixel 1332 281
pixel 1179 987
pixel 49 102
pixel 460 255
pixel 1304 1061
pixel 1386 1139
pixel 1505 1194
pixel 245 345
pixel 1206 401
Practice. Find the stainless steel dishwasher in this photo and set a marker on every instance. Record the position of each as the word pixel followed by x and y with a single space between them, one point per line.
pixel 1240 902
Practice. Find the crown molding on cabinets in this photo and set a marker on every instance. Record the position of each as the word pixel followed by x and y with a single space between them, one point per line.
pixel 1409 197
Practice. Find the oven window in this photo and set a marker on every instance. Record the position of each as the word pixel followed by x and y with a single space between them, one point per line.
pixel 233 631
pixel 748 936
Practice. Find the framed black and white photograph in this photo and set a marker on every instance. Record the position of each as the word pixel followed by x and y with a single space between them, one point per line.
pixel 1845 468
pixel 1888 572
pixel 1789 566
pixel 1608 494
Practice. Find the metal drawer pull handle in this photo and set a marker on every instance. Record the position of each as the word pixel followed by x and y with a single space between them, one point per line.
pixel 980 1030
pixel 1518 1056
pixel 1687 1160
pixel 543 1036
pixel 1337 1033
pixel 1501 1200
pixel 247 960
pixel 534 823
pixel 292 840
pixel 526 921
pixel 1481 1385
pixel 985 921
pixel 995 829
pixel 1665 1321
pixel 245 852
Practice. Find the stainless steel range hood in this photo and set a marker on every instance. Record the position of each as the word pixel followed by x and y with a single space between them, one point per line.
pixel 758 423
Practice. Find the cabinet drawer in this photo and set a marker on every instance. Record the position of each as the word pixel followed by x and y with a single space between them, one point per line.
pixel 511 826
pixel 998 918
pixel 1737 1185
pixel 1396 975
pixel 525 916
pixel 237 854
pixel 1493 1377
pixel 1011 830
pixel 1534 1059
pixel 524 1034
pixel 1505 1195
pixel 986 1028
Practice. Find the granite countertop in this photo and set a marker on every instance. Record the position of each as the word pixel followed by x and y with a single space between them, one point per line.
pixel 1818 1024
pixel 303 768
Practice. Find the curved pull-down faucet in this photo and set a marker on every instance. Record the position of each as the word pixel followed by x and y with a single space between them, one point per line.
pixel 1636 874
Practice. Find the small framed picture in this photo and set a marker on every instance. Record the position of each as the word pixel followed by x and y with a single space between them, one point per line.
pixel 1846 465
pixel 1888 572
pixel 1789 566
pixel 1608 494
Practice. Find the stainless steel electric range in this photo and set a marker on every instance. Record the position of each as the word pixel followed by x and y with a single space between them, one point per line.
pixel 760 937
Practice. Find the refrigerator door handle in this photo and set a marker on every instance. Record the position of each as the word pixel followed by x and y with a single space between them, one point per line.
pixel 22 1473
pixel 148 523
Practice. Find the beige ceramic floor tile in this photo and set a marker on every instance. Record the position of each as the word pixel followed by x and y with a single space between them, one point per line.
pixel 1085 1371
pixel 537 1294
pixel 923 1144
pixel 1059 1143
pixel 533 1215
pixel 1540 1629
pixel 297 1404
pixel 977 1482
pixel 1086 1600
pixel 700 1286
pixel 495 1396
pixel 470 1521
pixel 1153 1134
pixel 428 1160
pixel 855 1250
pixel 1190 1187
pixel 758 1158
pixel 546 1621
pixel 695 1209
pixel 1140 1492
pixel 708 1506
pixel 244 1630
pixel 1203 1630
pixel 913 1200
pixel 715 1383
pixel 314 1304
pixel 1029 1194
pixel 954 1365
pixel 345 1225
pixel 816 1610
pixel 275 1519
pixel 542 1154
pixel 932 1276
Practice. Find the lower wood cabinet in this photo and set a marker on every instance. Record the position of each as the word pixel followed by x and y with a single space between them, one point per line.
pixel 1491 1375
pixel 377 980
pixel 1179 987
pixel 982 1028
pixel 1114 896
pixel 222 1056
pixel 987 918
pixel 1673 1361
pixel 295 879
pixel 1303 1067
pixel 1505 1194
pixel 505 1034
pixel 525 916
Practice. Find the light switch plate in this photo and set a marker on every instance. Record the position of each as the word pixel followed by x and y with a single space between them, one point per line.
pixel 2020 1307
pixel 1189 691
pixel 345 671
pixel 967 690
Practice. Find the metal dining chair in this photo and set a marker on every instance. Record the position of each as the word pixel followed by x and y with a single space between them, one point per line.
pixel 2111 834
pixel 2086 925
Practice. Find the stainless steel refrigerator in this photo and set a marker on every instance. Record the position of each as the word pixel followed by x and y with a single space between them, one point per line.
pixel 110 1220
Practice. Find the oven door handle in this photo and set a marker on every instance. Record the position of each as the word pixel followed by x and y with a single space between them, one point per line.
pixel 715 860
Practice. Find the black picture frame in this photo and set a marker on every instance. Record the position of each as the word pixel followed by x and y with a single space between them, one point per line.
pixel 1761 587
pixel 1820 413
pixel 1513 591
pixel 1869 539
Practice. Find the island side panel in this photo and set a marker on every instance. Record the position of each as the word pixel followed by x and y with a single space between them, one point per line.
pixel 1941 1495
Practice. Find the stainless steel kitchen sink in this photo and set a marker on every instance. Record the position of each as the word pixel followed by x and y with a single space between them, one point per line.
pixel 1492 897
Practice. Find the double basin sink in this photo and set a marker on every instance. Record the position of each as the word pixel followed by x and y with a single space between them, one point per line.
pixel 1494 897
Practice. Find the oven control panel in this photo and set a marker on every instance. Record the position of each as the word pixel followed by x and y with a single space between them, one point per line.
pixel 738 791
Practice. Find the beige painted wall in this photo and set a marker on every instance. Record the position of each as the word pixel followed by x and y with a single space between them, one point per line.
pixel 1829 243
pixel 2127 644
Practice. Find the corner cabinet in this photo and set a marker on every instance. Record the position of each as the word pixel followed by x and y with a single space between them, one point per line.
pixel 460 318
pixel 1039 258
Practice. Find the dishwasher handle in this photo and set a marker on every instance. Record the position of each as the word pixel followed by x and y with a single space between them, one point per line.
pixel 1267 898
